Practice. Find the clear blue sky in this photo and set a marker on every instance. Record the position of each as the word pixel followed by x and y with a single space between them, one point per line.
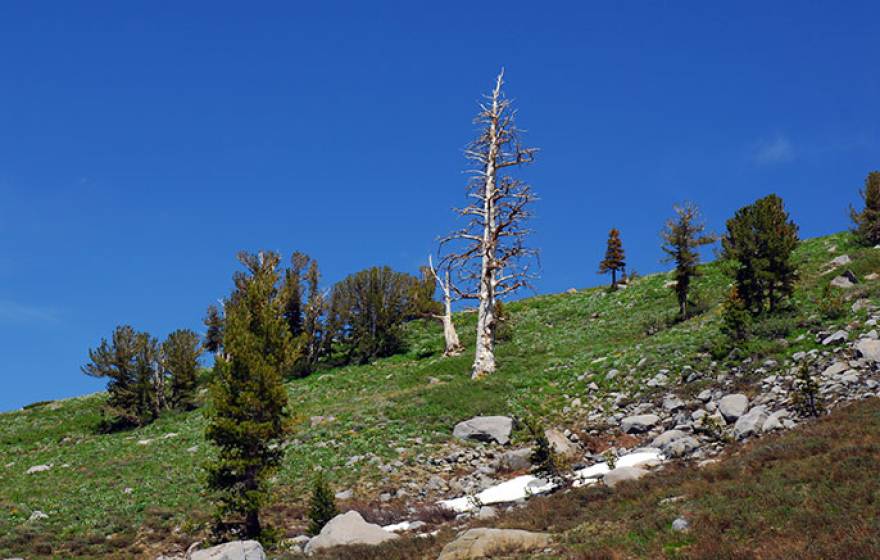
pixel 143 143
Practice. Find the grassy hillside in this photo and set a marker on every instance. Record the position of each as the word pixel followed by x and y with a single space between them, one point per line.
pixel 119 493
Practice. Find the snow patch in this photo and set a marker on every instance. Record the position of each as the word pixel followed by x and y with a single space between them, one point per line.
pixel 511 490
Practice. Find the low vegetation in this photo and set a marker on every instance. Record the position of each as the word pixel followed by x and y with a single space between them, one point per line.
pixel 134 492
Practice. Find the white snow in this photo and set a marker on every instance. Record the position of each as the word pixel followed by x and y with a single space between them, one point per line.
pixel 635 459
pixel 396 527
pixel 509 491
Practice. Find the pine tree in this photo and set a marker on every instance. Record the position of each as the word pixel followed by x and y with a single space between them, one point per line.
pixel 322 507
pixel 129 361
pixel 214 334
pixel 313 322
pixel 293 308
pixel 760 239
pixel 614 260
pixel 682 238
pixel 180 362
pixel 867 222
pixel 247 421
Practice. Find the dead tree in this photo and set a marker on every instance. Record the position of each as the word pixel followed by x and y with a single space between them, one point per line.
pixel 453 345
pixel 490 255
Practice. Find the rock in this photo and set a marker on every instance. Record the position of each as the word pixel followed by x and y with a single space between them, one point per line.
pixel 751 423
pixel 861 303
pixel 680 524
pixel 733 406
pixel 659 380
pixel 483 543
pixel 485 428
pixel 705 395
pixel 845 281
pixel 682 446
pixel 516 459
pixel 344 495
pixel 38 469
pixel 560 444
pixel 235 550
pixel 487 512
pixel 667 437
pixel 672 403
pixel 621 474
pixel 869 349
pixel 835 338
pixel 842 260
pixel 348 528
pixel 774 421
pixel 37 515
pixel 639 424
pixel 835 369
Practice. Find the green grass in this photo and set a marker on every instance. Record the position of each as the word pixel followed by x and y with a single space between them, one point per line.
pixel 377 408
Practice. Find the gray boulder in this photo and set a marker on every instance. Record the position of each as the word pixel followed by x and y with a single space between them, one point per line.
pixel 485 428
pixel 835 338
pixel 235 550
pixel 516 459
pixel 681 447
pixel 844 281
pixel 622 474
pixel 869 349
pixel 639 424
pixel 348 528
pixel 667 437
pixel 733 406
pixel 751 423
pixel 483 543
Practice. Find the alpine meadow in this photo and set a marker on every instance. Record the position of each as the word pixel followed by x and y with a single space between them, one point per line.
pixel 275 383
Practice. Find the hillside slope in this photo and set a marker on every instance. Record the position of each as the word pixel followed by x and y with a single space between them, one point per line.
pixel 375 428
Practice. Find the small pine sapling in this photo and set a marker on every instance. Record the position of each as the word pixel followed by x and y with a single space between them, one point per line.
pixel 806 396
pixel 322 507
pixel 543 456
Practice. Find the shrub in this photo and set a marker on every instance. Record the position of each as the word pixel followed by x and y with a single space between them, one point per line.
pixel 736 320
pixel 832 305
pixel 806 397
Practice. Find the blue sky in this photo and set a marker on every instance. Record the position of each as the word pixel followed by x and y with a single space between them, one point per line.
pixel 142 144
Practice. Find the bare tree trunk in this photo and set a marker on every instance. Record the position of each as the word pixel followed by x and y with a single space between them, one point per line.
pixel 450 335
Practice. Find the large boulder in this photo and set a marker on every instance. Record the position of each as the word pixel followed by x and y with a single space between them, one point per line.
pixel 348 528
pixel 869 349
pixel 235 550
pixel 483 543
pixel 639 424
pixel 621 474
pixel 485 428
pixel 733 406
pixel 751 423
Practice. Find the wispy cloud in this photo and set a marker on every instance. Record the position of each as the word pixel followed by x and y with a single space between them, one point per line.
pixel 13 312
pixel 779 149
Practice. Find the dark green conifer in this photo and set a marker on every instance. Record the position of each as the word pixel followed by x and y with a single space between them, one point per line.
pixel 249 401
pixel 214 334
pixel 180 362
pixel 130 362
pixel 614 260
pixel 760 239
pixel 867 222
